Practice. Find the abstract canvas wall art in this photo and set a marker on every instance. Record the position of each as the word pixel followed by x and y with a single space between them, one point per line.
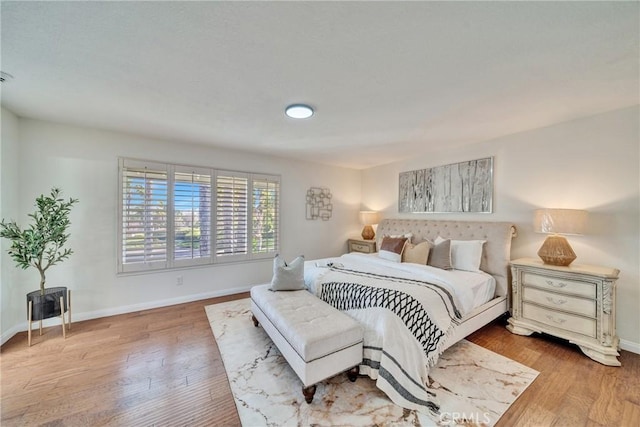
pixel 458 187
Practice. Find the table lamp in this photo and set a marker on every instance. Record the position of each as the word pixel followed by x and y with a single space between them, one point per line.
pixel 367 218
pixel 556 249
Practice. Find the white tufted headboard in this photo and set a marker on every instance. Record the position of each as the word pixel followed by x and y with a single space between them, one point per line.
pixel 496 253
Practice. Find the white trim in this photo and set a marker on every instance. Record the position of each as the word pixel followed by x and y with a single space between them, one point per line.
pixel 627 345
pixel 631 346
pixel 270 179
pixel 170 240
pixel 79 317
pixel 11 332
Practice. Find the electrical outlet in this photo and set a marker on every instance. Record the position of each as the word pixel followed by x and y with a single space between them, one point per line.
pixel 179 281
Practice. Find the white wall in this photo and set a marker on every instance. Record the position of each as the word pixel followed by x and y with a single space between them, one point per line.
pixel 83 163
pixel 12 302
pixel 591 163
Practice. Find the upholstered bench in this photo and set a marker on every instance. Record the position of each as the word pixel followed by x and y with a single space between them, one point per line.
pixel 317 340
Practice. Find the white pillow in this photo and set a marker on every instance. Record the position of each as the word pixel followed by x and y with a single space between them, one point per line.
pixel 288 277
pixel 465 254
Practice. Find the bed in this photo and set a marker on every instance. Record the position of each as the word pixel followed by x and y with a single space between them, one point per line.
pixel 411 313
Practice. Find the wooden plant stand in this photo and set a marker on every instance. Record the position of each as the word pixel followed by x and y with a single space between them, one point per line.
pixel 30 319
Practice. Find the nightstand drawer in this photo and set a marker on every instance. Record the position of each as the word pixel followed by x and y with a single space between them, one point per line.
pixel 565 321
pixel 585 289
pixel 359 247
pixel 585 307
pixel 576 302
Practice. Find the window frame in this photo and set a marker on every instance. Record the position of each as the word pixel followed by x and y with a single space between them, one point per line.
pixel 142 266
pixel 189 262
pixel 268 178
pixel 233 256
pixel 214 258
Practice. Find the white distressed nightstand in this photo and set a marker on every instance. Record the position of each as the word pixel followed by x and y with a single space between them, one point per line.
pixel 361 245
pixel 577 303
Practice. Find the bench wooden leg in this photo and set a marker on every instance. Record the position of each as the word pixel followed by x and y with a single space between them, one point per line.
pixel 352 373
pixel 308 393
pixel 255 321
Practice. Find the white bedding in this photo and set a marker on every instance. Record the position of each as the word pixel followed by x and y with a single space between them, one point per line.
pixel 472 289
pixel 407 310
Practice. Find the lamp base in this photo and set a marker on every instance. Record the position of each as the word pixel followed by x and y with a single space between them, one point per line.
pixel 368 233
pixel 556 251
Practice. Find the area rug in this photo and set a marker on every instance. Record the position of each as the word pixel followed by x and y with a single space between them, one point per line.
pixel 473 385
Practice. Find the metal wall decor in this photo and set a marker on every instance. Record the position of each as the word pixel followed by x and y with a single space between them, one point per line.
pixel 458 187
pixel 319 203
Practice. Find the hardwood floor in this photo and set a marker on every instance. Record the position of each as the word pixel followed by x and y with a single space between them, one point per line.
pixel 571 390
pixel 162 367
pixel 156 367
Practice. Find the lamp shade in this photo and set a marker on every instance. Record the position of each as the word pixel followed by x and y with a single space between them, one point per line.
pixel 560 221
pixel 369 217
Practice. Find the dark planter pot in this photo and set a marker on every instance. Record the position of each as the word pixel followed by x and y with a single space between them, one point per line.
pixel 47 305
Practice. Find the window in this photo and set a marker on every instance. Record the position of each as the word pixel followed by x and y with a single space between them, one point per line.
pixel 191 216
pixel 175 216
pixel 266 214
pixel 144 215
pixel 232 204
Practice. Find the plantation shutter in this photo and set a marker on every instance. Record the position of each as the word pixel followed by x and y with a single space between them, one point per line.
pixel 178 216
pixel 232 226
pixel 265 215
pixel 191 216
pixel 143 239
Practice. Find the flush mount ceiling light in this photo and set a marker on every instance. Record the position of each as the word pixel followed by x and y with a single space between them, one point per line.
pixel 299 111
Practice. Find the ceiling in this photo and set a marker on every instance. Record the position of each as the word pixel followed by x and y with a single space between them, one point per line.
pixel 387 79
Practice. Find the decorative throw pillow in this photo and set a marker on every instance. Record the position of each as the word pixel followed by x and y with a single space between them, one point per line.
pixel 391 248
pixel 416 254
pixel 440 255
pixel 288 277
pixel 465 254
pixel 409 236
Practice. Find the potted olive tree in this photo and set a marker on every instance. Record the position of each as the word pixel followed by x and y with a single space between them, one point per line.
pixel 41 245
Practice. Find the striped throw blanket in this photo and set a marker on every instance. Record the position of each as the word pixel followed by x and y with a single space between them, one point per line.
pixel 406 323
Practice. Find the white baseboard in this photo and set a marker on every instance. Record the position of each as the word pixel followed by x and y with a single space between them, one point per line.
pixel 631 346
pixel 627 345
pixel 78 317
pixel 7 335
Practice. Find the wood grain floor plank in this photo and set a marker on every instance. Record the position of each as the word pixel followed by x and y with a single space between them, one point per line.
pixel 596 388
pixel 162 367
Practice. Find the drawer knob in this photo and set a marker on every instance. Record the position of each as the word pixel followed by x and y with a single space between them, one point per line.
pixel 556 301
pixel 555 319
pixel 556 285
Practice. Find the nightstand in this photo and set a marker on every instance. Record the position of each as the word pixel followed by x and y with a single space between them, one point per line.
pixel 361 245
pixel 577 303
